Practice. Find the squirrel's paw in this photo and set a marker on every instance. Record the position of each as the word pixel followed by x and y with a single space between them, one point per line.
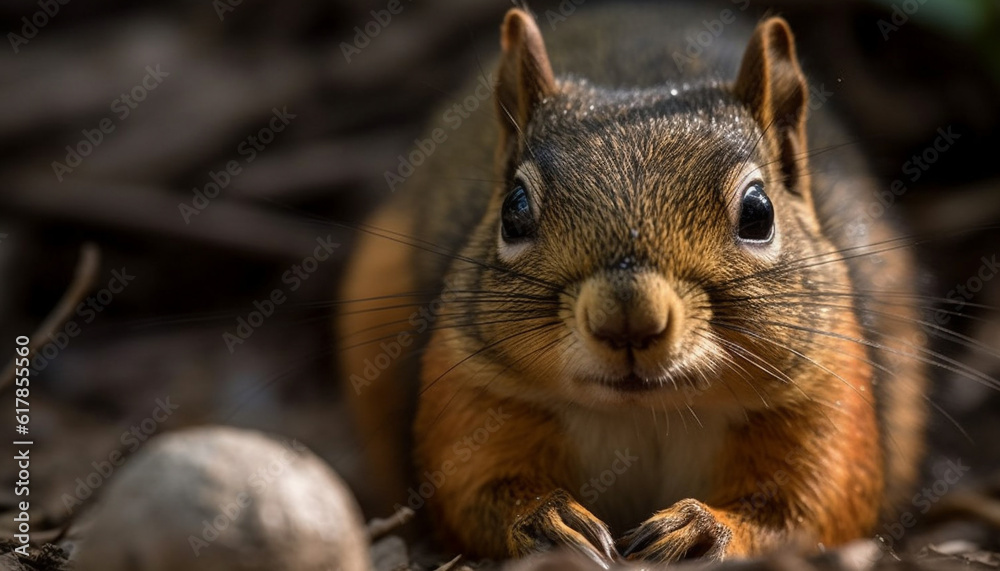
pixel 685 530
pixel 558 520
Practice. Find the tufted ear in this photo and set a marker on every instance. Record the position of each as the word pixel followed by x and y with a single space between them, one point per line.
pixel 525 76
pixel 772 85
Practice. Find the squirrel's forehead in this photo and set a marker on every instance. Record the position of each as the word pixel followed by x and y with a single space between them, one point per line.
pixel 606 122
pixel 657 142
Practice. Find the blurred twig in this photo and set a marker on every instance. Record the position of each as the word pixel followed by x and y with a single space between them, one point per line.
pixel 154 211
pixel 974 504
pixel 83 282
pixel 450 564
pixel 378 527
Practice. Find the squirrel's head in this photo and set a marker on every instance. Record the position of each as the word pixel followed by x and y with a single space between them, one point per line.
pixel 631 230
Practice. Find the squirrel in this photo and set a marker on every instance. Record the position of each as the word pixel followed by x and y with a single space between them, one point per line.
pixel 635 309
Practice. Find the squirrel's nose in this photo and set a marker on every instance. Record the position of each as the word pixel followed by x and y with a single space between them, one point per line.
pixel 621 328
pixel 629 311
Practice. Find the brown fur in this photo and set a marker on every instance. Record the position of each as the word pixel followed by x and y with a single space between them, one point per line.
pixel 379 269
pixel 739 367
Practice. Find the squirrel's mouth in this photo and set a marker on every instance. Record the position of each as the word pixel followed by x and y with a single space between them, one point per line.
pixel 632 383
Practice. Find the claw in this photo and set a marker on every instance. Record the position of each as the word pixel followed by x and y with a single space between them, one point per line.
pixel 560 520
pixel 686 530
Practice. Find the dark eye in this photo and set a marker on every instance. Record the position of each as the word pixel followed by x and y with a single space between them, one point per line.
pixel 517 221
pixel 756 215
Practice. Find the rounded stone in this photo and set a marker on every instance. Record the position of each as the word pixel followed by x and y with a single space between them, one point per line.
pixel 221 498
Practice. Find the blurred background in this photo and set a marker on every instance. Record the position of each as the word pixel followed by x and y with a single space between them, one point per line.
pixel 205 146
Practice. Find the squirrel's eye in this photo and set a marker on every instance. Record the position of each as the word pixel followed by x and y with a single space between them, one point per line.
pixel 517 221
pixel 756 215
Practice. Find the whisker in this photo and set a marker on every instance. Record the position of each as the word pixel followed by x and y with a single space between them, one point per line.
pixel 887 371
pixel 411 241
pixel 440 327
pixel 944 332
pixel 837 255
pixel 538 352
pixel 547 303
pixel 463 320
pixel 733 365
pixel 938 360
pixel 486 347
pixel 735 327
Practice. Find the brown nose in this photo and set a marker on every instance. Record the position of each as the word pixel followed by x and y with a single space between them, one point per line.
pixel 628 310
pixel 623 329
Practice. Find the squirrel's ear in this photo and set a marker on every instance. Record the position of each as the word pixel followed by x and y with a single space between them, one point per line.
pixel 525 74
pixel 772 85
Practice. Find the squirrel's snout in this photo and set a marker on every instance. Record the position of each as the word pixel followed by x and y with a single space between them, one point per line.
pixel 632 311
